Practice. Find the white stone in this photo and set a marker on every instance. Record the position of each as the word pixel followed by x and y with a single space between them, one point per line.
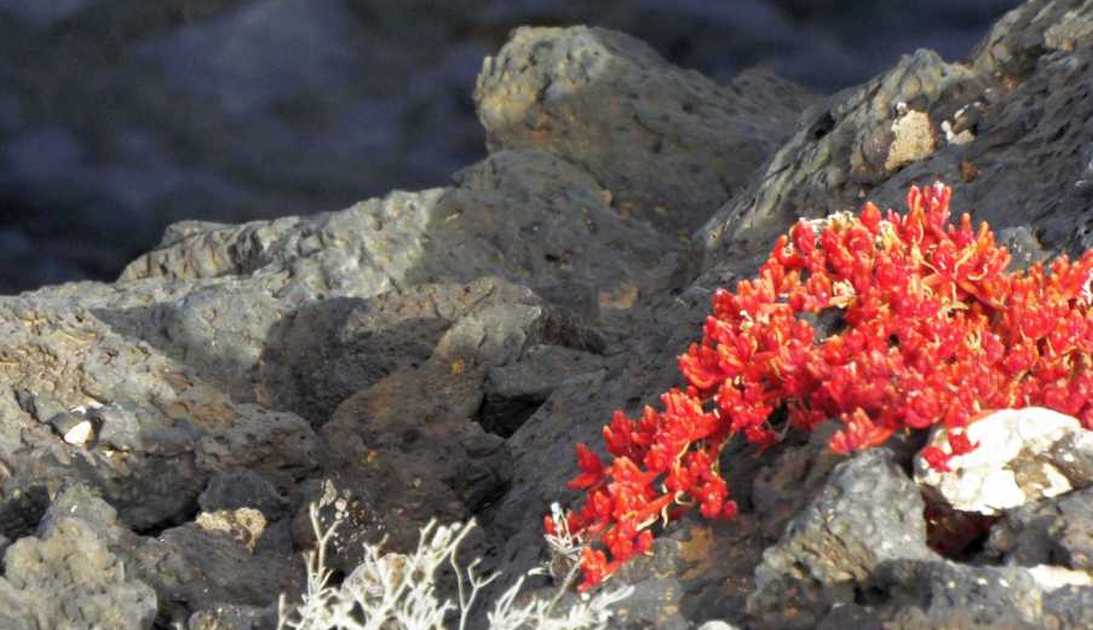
pixel 1053 577
pixel 79 434
pixel 984 480
pixel 964 137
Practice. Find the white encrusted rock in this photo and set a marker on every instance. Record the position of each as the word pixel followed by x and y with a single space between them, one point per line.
pixel 1022 455
pixel 73 427
pixel 245 525
pixel 1051 577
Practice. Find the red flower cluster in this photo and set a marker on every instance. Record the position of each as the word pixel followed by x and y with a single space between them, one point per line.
pixel 934 331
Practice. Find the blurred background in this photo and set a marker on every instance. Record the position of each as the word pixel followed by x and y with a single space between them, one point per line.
pixel 118 117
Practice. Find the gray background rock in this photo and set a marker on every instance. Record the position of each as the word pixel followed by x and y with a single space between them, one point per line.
pixel 118 117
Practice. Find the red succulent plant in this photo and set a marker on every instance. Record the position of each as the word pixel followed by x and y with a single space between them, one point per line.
pixel 934 331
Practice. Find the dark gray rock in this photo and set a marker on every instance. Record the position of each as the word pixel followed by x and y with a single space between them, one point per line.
pixel 513 392
pixel 172 370
pixel 1023 246
pixel 123 427
pixel 243 488
pixel 535 218
pixel 1074 462
pixel 161 430
pixel 922 594
pixel 1069 607
pixel 610 104
pixel 83 502
pixel 42 407
pixel 869 512
pixel 352 497
pixel 657 589
pixel 850 616
pixel 1056 531
pixel 233 617
pixel 496 335
pixel 428 453
pixel 789 480
pixel 1014 44
pixel 326 351
pixel 529 217
pixel 841 149
pixel 66 577
pixel 214 250
pixel 279 445
pixel 1024 163
pixel 194 568
pixel 489 336
pixel 21 510
pixel 696 573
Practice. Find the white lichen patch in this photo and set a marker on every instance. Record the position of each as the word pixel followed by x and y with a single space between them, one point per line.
pixel 245 525
pixel 912 138
pixel 1013 464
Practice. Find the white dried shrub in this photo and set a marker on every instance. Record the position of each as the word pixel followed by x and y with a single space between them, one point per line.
pixel 390 591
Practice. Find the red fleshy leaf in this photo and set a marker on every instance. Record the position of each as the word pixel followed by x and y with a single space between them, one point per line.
pixel 888 322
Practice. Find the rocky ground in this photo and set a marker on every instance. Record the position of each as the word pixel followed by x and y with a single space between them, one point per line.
pixel 436 354
pixel 119 117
